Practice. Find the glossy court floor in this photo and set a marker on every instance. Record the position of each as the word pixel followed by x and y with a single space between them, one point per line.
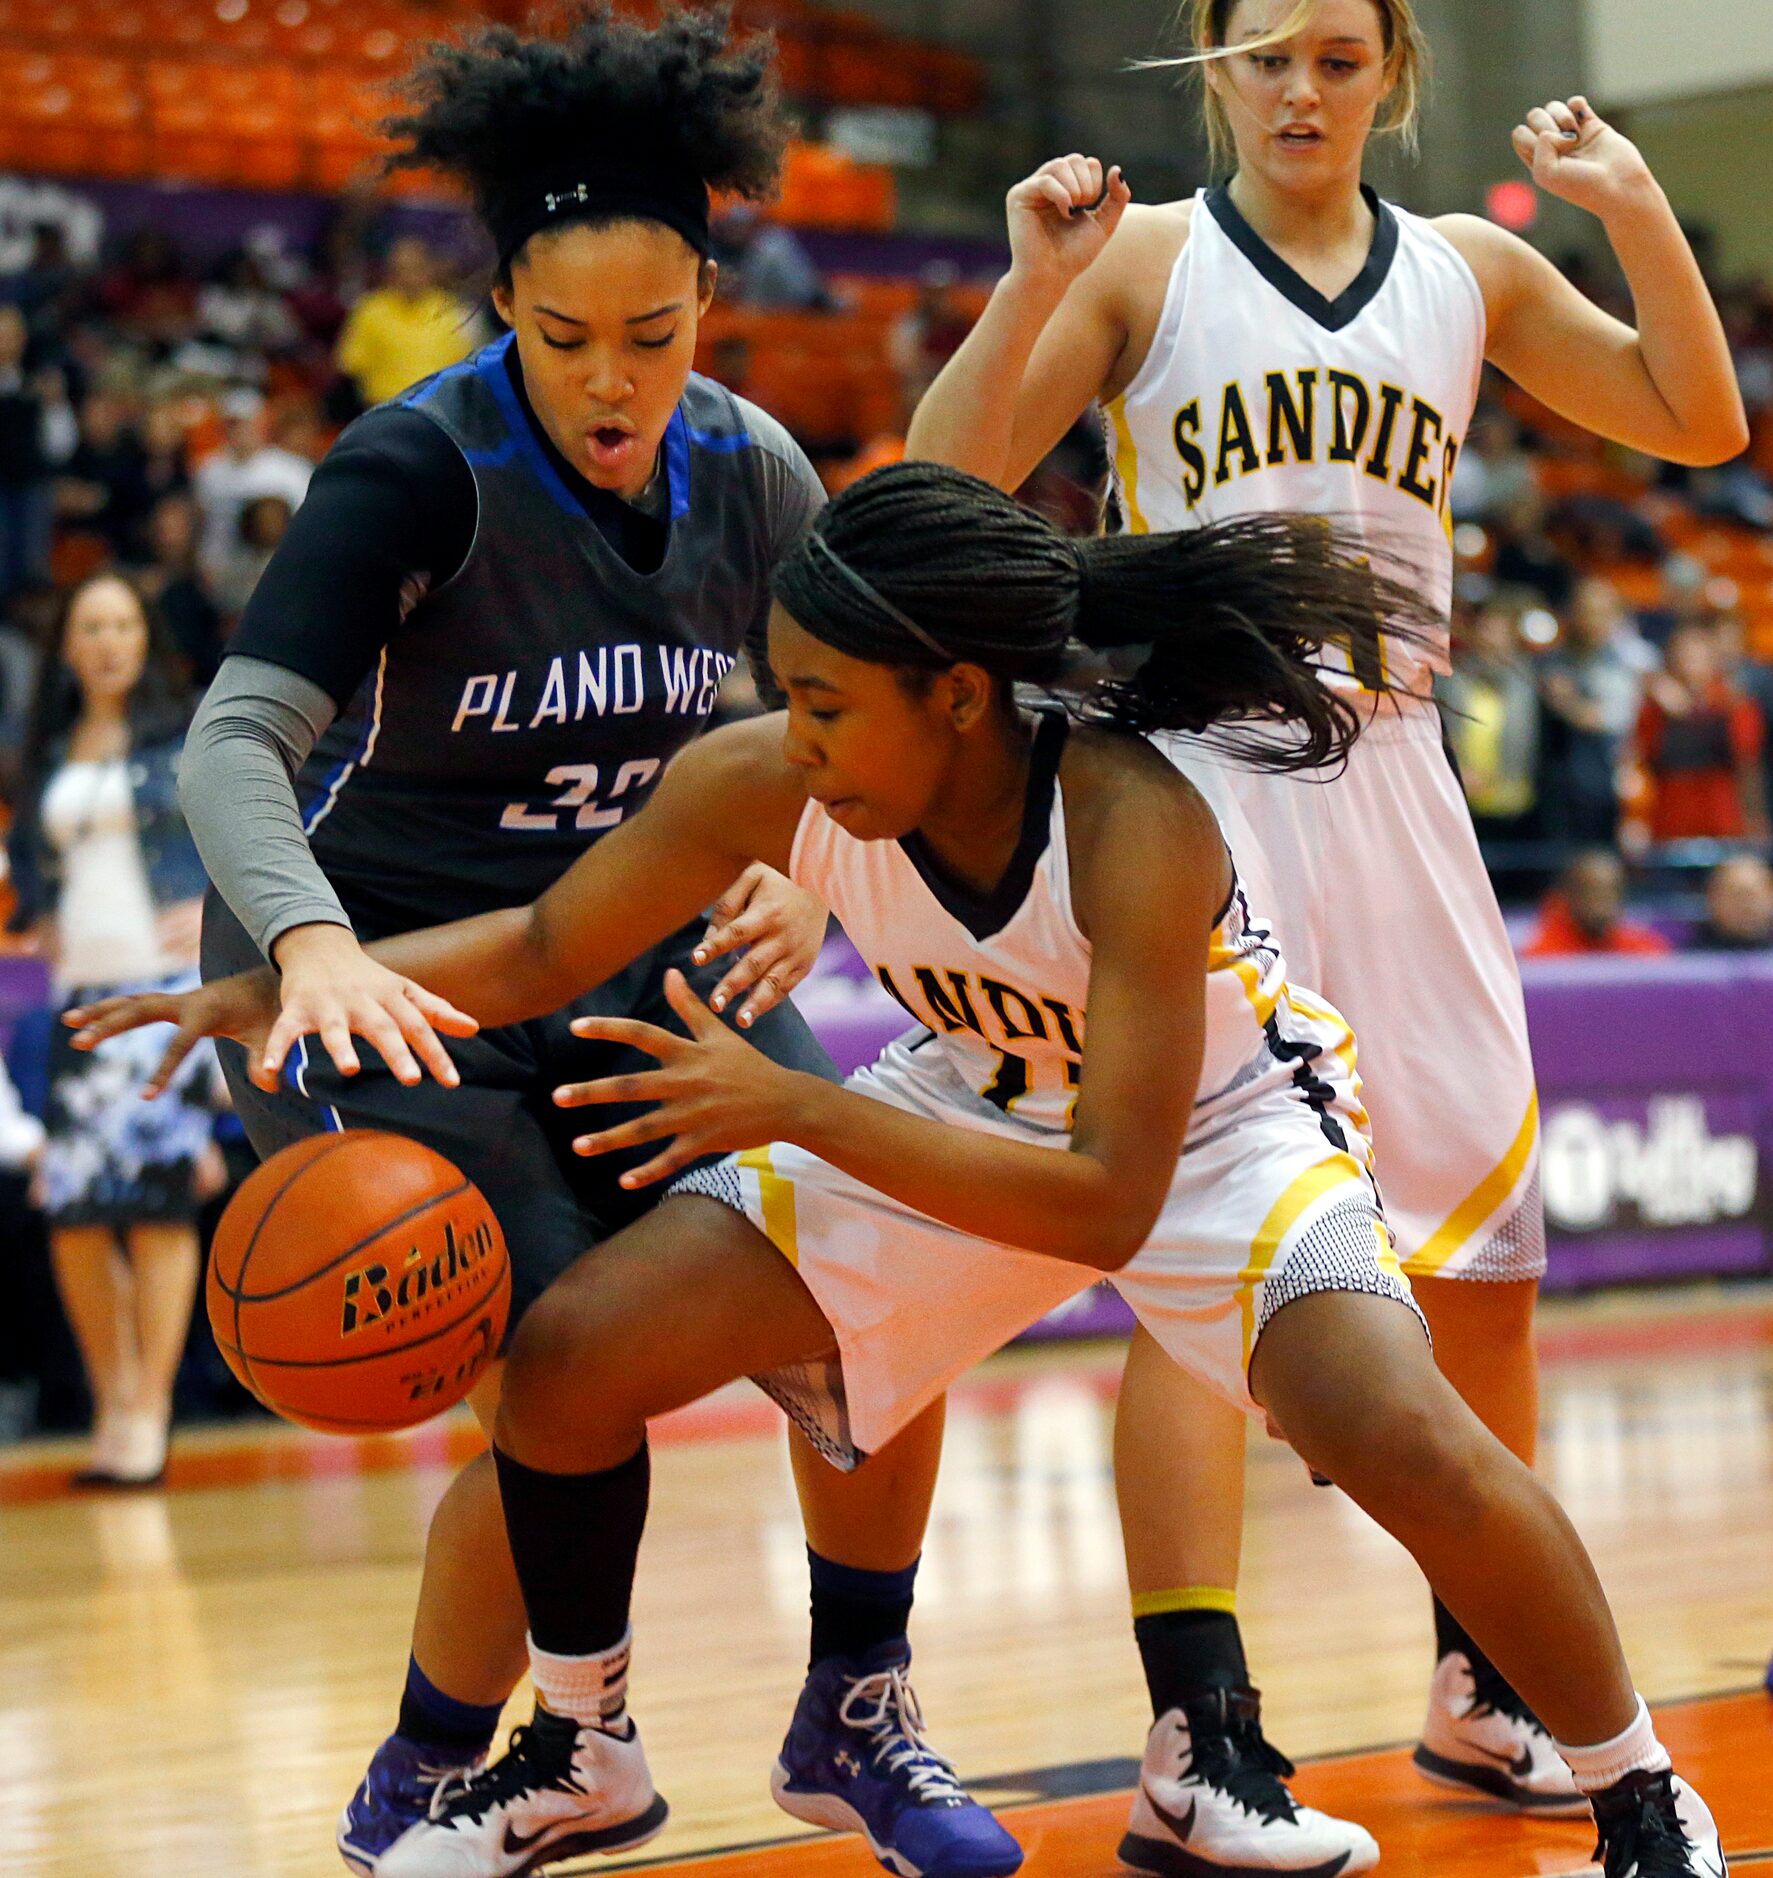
pixel 190 1681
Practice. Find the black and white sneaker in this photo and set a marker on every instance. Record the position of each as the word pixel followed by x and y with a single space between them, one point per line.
pixel 1656 1826
pixel 1481 1738
pixel 561 1790
pixel 1212 1803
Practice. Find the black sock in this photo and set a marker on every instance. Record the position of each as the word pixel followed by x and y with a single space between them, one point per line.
pixel 437 1720
pixel 1451 1635
pixel 574 1540
pixel 1187 1653
pixel 854 1610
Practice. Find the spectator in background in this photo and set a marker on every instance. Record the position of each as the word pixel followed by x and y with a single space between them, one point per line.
pixel 109 880
pixel 1738 907
pixel 929 333
pixel 1490 712
pixel 1526 556
pixel 242 323
pixel 103 485
pixel 404 330
pixel 38 433
pixel 149 294
pixel 1584 913
pixel 174 586
pixel 1493 471
pixel 263 523
pixel 766 265
pixel 247 467
pixel 1699 741
pixel 1589 688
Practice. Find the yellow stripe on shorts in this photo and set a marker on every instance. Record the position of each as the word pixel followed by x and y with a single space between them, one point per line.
pixel 1481 1202
pixel 1345 1049
pixel 1126 467
pixel 1222 957
pixel 1311 1186
pixel 776 1194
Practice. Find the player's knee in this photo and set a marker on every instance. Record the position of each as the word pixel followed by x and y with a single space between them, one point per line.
pixel 565 1338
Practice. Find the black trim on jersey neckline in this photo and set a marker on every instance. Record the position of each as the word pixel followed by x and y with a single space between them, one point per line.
pixel 1353 300
pixel 986 914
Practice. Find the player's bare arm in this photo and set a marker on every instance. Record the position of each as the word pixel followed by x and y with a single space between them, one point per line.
pixel 1666 388
pixel 1057 303
pixel 1150 875
pixel 726 801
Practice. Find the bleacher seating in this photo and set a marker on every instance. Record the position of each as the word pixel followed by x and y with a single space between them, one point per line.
pixel 280 94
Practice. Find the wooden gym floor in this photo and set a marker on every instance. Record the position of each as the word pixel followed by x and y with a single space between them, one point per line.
pixel 190 1681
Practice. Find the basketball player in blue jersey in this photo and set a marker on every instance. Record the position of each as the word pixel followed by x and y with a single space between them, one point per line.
pixel 1112 1073
pixel 508 601
pixel 1289 341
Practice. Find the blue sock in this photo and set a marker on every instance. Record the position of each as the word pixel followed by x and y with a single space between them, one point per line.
pixel 854 1611
pixel 429 1716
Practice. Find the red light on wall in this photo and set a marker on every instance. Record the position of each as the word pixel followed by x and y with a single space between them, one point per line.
pixel 1513 205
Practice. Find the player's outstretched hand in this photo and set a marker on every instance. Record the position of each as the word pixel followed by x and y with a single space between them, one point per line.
pixel 1575 155
pixel 715 1092
pixel 333 989
pixel 243 1007
pixel 1062 216
pixel 781 928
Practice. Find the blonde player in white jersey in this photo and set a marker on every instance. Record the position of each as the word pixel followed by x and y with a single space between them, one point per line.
pixel 1290 341
pixel 1112 1074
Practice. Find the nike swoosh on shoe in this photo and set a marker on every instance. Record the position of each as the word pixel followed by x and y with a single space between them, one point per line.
pixel 1181 1825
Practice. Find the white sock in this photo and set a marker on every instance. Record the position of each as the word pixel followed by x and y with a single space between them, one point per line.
pixel 1634 1751
pixel 593 1690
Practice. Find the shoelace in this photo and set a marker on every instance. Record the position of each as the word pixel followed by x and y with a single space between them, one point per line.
pixel 884 1707
pixel 1641 1831
pixel 1492 1696
pixel 1228 1750
pixel 538 1757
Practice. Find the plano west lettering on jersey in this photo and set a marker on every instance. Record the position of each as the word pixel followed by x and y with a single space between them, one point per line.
pixel 1005 1017
pixel 611 681
pixel 1316 414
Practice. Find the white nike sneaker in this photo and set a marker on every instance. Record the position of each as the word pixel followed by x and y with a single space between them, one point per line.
pixel 1480 1737
pixel 1656 1826
pixel 561 1790
pixel 1211 1803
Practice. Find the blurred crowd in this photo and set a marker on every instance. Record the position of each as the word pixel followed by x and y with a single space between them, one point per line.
pixel 1608 706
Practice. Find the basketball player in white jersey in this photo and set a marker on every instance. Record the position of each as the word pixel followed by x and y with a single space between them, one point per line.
pixel 1111 1074
pixel 1290 341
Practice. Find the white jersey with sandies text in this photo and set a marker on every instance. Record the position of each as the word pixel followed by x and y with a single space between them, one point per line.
pixel 1258 395
pixel 1272 1196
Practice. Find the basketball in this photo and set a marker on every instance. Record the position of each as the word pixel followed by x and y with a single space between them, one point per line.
pixel 358 1283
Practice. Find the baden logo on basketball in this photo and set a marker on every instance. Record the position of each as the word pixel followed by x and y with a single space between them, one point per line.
pixel 373 1294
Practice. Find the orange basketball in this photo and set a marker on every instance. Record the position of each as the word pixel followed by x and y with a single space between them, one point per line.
pixel 358 1282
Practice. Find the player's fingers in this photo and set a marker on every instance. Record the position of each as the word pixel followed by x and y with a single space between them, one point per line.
pixel 629 1030
pixel 662 1166
pixel 110 1017
pixel 335 1039
pixel 1564 118
pixel 375 1026
pixel 440 1014
pixel 284 1034
pixel 1053 194
pixel 1540 120
pixel 643 1087
pixel 425 1044
pixel 729 935
pixel 634 1134
pixel 174 1054
pixel 698 1019
pixel 1077 179
pixel 771 989
pixel 745 972
pixel 1526 145
pixel 1114 203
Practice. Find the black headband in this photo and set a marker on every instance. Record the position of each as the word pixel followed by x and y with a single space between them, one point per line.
pixel 652 192
pixel 872 593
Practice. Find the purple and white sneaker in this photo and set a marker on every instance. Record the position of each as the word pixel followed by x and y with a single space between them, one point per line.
pixel 856 1761
pixel 395 1794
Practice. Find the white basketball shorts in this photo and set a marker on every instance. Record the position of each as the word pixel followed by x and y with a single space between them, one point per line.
pixel 1266 1208
pixel 1380 901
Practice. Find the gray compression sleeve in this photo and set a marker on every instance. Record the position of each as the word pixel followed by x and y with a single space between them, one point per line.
pixel 251 735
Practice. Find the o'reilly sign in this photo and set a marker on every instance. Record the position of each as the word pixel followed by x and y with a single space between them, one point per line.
pixel 1665 1162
